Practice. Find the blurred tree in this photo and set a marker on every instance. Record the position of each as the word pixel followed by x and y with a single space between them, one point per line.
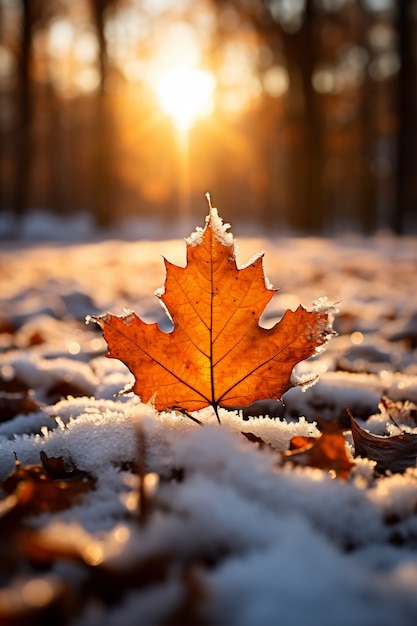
pixel 340 120
pixel 314 152
pixel 24 102
pixel 294 34
pixel 102 179
pixel 367 178
pixel 406 204
pixel 301 51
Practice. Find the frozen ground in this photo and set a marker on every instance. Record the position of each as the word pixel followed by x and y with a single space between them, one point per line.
pixel 231 535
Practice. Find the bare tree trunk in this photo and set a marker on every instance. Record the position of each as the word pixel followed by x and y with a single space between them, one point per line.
pixel 407 119
pixel 304 192
pixel 20 190
pixel 306 179
pixel 103 183
pixel 368 197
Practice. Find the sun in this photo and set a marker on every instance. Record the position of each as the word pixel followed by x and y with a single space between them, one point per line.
pixel 185 93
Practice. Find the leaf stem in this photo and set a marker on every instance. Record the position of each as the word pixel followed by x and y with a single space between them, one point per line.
pixel 216 411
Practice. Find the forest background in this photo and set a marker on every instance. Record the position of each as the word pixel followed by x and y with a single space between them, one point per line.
pixel 308 122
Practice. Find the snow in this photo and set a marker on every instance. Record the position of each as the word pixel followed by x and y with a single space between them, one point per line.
pixel 220 230
pixel 271 543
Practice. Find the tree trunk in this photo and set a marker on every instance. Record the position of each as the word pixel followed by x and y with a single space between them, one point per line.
pixel 407 120
pixel 103 183
pixel 368 192
pixel 306 171
pixel 20 190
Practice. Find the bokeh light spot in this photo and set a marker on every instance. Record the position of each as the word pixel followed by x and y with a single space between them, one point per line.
pixel 356 338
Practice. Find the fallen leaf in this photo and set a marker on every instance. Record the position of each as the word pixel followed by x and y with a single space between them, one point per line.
pixel 402 413
pixel 394 453
pixel 327 452
pixel 7 327
pixel 255 439
pixel 12 383
pixel 18 403
pixel 298 442
pixel 46 487
pixel 64 388
pixel 217 354
pixel 36 339
pixel 55 468
pixel 112 567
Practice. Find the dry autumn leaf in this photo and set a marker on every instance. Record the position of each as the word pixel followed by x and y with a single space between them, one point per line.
pixel 47 487
pixel 255 439
pixel 327 452
pixel 394 453
pixel 217 354
pixel 18 403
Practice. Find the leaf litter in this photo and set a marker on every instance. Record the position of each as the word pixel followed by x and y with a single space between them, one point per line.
pixel 233 528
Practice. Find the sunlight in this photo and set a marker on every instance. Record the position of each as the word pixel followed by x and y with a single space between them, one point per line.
pixel 186 93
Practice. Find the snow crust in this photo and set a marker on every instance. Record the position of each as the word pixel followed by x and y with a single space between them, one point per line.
pixel 220 229
pixel 287 545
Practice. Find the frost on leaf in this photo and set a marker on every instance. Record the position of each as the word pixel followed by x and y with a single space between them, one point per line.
pixel 217 354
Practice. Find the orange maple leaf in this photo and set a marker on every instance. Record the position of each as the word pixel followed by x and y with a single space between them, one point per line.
pixel 217 354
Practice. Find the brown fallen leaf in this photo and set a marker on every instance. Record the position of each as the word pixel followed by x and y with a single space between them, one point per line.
pixel 402 413
pixel 327 452
pixel 111 568
pixel 55 468
pixel 40 488
pixel 255 439
pixel 12 383
pixel 18 403
pixel 394 453
pixel 64 388
pixel 217 354
pixel 7 327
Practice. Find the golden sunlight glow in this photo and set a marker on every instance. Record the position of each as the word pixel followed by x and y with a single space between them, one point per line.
pixel 185 93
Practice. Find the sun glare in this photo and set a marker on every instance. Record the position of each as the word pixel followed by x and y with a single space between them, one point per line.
pixel 185 93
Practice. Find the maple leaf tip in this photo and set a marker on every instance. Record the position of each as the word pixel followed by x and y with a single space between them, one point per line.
pixel 95 319
pixel 219 228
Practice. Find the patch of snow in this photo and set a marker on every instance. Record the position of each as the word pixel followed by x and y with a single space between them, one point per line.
pixel 196 238
pixel 219 228
pixel 273 543
pixel 267 586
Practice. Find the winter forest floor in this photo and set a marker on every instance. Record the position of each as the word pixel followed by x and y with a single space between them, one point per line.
pixel 227 531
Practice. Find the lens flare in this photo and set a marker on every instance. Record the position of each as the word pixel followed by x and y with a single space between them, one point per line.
pixel 185 93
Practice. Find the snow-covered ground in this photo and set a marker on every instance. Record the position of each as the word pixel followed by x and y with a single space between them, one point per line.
pixel 242 537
